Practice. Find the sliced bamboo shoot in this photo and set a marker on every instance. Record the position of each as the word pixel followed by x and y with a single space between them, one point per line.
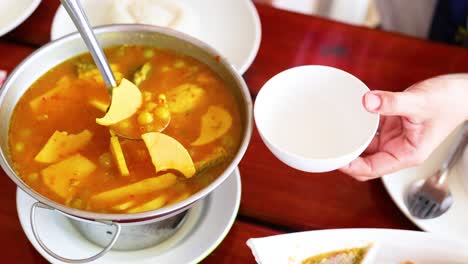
pixel 167 153
pixel 99 105
pixel 123 206
pixel 126 99
pixel 62 144
pixel 118 155
pixel 214 124
pixel 149 206
pixel 135 189
pixel 62 177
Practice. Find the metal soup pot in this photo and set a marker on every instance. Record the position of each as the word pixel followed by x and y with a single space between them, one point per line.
pixel 56 52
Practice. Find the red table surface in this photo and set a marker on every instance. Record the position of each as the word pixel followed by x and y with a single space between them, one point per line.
pixel 276 198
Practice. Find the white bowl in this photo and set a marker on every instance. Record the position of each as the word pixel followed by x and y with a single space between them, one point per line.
pixel 312 118
pixel 463 168
pixel 13 13
pixel 231 27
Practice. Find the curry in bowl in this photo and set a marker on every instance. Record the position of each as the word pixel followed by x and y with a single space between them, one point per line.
pixel 188 118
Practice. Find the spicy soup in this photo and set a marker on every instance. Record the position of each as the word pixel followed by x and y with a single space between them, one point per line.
pixel 59 150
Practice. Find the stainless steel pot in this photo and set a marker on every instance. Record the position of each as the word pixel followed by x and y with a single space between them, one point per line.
pixel 56 52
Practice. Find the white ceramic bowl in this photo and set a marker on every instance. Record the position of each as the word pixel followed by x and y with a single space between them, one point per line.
pixel 463 168
pixel 231 27
pixel 312 118
pixel 13 13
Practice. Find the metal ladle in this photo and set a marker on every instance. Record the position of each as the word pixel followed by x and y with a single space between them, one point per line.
pixel 77 15
pixel 75 11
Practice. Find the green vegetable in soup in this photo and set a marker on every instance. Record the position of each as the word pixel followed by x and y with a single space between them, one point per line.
pixel 77 203
pixel 148 53
pixel 89 71
pixel 179 64
pixel 215 158
pixel 142 73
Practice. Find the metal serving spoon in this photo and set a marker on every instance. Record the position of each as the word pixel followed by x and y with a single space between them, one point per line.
pixel 75 11
pixel 431 198
pixel 77 15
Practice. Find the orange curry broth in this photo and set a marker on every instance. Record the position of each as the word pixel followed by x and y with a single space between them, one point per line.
pixel 71 112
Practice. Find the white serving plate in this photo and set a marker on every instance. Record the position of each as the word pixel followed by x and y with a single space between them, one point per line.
pixel 207 223
pixel 231 27
pixel 454 223
pixel 388 246
pixel 13 13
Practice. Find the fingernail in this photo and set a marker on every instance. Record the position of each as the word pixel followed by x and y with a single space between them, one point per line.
pixel 372 102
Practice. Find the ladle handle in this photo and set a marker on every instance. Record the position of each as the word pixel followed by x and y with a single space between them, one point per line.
pixel 117 226
pixel 75 11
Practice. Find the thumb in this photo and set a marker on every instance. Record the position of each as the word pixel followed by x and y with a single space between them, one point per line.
pixel 392 103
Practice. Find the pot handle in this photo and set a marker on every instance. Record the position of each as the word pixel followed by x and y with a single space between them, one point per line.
pixel 117 226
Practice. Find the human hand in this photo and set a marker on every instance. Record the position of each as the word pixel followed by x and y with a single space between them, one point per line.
pixel 413 123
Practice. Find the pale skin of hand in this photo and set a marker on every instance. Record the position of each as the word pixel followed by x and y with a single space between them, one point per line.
pixel 412 124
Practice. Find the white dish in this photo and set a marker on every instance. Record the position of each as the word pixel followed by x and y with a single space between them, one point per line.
pixel 3 75
pixel 231 27
pixel 13 13
pixel 387 246
pixel 454 222
pixel 312 117
pixel 463 169
pixel 207 223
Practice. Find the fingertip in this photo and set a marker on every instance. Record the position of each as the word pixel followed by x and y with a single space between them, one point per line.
pixel 360 178
pixel 358 169
pixel 347 167
pixel 372 101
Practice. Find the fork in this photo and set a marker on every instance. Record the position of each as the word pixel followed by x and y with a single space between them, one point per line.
pixel 431 198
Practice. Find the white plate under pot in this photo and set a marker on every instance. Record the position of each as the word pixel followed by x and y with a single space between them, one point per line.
pixel 206 225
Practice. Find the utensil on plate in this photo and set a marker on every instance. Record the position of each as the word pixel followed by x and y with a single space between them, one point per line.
pixel 77 15
pixel 431 197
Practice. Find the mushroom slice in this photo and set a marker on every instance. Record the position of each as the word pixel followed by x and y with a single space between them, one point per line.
pixel 167 153
pixel 214 124
pixel 126 99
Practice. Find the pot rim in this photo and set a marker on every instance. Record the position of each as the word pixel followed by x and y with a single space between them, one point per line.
pixel 165 211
